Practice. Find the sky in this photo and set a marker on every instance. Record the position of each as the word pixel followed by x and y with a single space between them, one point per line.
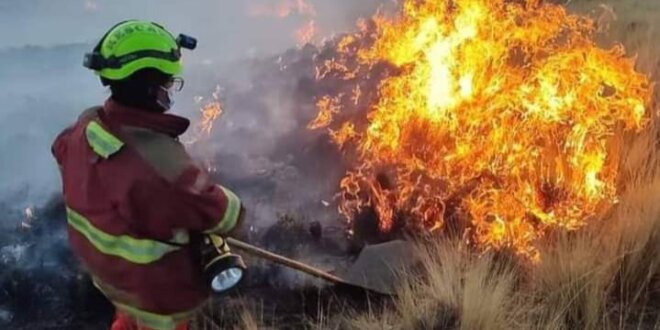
pixel 225 28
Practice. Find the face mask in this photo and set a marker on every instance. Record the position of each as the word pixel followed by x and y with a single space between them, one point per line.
pixel 165 98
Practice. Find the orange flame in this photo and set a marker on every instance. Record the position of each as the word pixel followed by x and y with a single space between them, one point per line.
pixel 505 109
pixel 210 112
pixel 327 106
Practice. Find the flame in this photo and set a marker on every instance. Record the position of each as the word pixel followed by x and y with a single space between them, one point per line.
pixel 210 112
pixel 504 113
pixel 327 106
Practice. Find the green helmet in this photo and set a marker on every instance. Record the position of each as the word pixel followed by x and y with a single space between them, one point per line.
pixel 134 45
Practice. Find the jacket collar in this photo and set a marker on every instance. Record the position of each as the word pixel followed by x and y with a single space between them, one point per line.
pixel 171 125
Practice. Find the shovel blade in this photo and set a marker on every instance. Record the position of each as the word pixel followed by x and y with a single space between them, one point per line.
pixel 379 267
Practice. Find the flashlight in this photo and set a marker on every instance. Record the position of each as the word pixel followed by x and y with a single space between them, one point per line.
pixel 224 270
pixel 186 41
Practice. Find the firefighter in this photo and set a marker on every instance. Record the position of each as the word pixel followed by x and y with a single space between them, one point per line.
pixel 138 207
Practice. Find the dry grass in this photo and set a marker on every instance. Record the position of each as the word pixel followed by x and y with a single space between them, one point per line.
pixel 236 314
pixel 248 321
pixel 458 289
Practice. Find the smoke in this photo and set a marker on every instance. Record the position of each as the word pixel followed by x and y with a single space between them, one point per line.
pixel 261 148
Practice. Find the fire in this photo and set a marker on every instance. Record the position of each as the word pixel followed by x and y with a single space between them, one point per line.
pixel 210 112
pixel 504 113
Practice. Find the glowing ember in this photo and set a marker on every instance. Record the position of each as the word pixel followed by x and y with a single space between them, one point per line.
pixel 502 111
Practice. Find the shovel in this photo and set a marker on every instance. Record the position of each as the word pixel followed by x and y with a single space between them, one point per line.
pixel 374 271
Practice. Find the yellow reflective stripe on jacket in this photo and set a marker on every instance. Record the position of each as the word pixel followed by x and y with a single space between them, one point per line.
pixel 102 142
pixel 230 218
pixel 138 251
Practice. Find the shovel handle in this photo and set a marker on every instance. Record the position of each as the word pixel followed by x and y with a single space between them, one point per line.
pixel 278 259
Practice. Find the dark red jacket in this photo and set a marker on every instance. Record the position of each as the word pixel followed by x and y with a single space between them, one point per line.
pixel 131 191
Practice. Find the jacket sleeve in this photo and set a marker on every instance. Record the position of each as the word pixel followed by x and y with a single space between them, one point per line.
pixel 181 197
pixel 58 148
pixel 220 209
pixel 192 203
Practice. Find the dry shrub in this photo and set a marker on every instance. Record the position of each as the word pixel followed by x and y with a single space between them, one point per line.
pixel 369 321
pixel 569 285
pixel 248 321
pixel 458 289
pixel 236 313
pixel 636 234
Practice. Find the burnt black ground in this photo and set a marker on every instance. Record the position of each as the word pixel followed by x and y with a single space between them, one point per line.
pixel 43 287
